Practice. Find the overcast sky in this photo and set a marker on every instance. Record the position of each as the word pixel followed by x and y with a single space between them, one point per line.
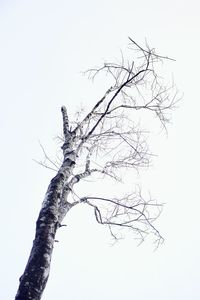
pixel 45 45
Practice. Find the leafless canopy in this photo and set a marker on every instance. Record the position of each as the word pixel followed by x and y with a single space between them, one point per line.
pixel 108 141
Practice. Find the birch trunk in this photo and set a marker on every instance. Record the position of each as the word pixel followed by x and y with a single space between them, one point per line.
pixel 35 276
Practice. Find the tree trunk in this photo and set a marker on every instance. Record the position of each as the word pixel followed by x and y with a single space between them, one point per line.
pixel 34 279
pixel 35 276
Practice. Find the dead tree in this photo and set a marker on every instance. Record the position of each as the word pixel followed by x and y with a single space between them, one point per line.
pixel 105 141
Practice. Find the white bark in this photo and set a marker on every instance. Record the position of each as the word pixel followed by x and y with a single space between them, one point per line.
pixel 35 276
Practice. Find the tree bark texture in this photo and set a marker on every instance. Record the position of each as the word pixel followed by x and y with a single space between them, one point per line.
pixel 35 276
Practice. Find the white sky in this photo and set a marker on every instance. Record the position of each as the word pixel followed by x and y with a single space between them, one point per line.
pixel 44 47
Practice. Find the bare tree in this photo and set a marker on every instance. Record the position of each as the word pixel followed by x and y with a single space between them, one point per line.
pixel 104 142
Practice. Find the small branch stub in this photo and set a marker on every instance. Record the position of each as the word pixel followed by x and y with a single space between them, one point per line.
pixel 65 121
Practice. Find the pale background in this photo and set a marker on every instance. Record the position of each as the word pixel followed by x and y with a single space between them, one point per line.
pixel 44 47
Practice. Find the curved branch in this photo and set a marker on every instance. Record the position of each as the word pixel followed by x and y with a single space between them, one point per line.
pixel 135 216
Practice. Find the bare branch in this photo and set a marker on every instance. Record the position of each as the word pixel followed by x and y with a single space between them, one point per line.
pixel 87 118
pixel 48 162
pixel 131 212
pixel 147 51
pixel 45 165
